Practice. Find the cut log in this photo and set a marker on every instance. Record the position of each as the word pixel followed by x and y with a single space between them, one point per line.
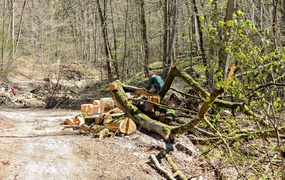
pixel 85 108
pixel 128 126
pixel 96 107
pixel 113 124
pixel 155 98
pixel 122 124
pixel 106 104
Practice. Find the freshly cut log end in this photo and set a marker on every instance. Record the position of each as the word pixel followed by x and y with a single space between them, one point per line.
pixel 124 125
pixel 155 99
pixel 112 87
pixel 128 126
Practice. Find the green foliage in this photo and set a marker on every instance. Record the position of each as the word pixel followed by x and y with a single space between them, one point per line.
pixel 260 68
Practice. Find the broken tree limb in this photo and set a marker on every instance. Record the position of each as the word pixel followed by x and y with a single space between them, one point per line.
pixel 174 72
pixel 175 170
pixel 241 134
pixel 167 174
pixel 117 89
pixel 166 131
pixel 200 115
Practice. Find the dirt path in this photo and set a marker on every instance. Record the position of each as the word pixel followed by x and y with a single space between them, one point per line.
pixel 34 146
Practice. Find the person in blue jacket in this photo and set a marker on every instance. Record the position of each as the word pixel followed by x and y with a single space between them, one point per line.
pixel 156 82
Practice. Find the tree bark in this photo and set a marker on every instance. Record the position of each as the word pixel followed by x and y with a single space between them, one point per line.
pixel 223 56
pixel 102 15
pixel 201 40
pixel 3 38
pixel 116 66
pixel 144 38
pixel 172 61
pixel 165 37
pixel 118 91
pixel 125 42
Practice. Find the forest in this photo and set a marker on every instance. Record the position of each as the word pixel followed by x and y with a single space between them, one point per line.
pixel 207 46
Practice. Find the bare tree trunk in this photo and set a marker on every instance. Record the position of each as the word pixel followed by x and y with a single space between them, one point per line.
pixel 20 26
pixel 201 39
pixel 171 43
pixel 102 15
pixel 213 52
pixel 165 37
pixel 144 38
pixel 94 37
pixel 283 18
pixel 274 16
pixel 260 19
pixel 12 33
pixel 223 56
pixel 192 32
pixel 115 43
pixel 3 38
pixel 125 42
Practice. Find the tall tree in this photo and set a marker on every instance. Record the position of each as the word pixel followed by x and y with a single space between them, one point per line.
pixel 223 56
pixel 12 30
pixel 171 43
pixel 283 18
pixel 103 14
pixel 274 16
pixel 166 37
pixel 3 37
pixel 144 37
pixel 125 40
pixel 116 66
pixel 201 41
pixel 20 25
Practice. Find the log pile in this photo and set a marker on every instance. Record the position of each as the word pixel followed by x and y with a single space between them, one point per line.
pixel 101 117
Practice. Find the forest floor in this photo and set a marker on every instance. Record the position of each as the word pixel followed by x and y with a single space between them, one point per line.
pixel 34 145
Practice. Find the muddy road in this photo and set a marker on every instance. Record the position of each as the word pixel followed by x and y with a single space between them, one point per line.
pixel 33 145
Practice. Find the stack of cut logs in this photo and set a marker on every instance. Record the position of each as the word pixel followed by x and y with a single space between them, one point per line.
pixel 99 115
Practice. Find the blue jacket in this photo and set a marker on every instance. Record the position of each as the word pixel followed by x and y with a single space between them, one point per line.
pixel 155 81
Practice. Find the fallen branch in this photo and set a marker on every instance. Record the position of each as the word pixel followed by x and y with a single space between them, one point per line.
pixel 167 174
pixel 175 170
pixel 166 131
